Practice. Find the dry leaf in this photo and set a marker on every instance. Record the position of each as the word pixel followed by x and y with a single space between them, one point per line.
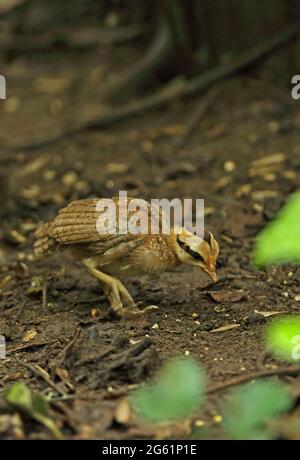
pixel 51 85
pixel 227 327
pixel 267 313
pixel 269 160
pixel 227 296
pixel 5 282
pixel 123 412
pixel 117 168
pixel 263 194
pixel 29 335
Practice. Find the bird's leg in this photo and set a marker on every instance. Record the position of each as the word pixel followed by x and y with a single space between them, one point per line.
pixel 119 298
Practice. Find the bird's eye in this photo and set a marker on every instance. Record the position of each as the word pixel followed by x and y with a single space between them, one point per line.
pixel 195 255
pixel 186 248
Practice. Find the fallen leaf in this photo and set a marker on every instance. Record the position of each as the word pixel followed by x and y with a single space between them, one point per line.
pixel 227 296
pixel 117 168
pixel 268 160
pixel 51 85
pixel 226 327
pixel 29 335
pixel 5 282
pixel 267 313
pixel 263 194
pixel 123 412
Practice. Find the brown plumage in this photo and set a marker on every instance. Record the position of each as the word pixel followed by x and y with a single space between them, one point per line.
pixel 75 229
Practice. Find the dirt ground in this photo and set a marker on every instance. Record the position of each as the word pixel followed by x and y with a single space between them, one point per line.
pixel 54 315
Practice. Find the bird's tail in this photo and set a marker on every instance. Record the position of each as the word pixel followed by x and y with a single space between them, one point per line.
pixel 44 244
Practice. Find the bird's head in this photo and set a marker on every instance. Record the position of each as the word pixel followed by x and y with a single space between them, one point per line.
pixel 199 252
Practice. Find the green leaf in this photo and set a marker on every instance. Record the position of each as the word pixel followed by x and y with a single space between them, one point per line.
pixel 48 423
pixel 283 338
pixel 252 406
pixel 178 391
pixel 19 396
pixel 279 242
pixel 40 405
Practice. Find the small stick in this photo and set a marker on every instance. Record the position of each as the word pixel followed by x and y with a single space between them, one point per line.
pixel 40 372
pixel 256 375
pixel 27 347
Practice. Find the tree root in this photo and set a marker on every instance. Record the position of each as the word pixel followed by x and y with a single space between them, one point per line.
pixel 178 87
pixel 128 81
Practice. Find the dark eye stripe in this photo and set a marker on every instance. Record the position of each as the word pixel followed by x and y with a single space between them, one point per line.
pixel 186 248
pixel 195 255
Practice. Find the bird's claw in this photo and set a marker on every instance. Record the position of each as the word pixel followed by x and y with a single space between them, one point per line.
pixel 134 311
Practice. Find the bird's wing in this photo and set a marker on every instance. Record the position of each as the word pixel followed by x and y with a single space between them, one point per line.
pixel 81 223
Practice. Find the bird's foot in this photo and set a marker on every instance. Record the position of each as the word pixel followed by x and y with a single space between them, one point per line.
pixel 134 311
pixel 123 304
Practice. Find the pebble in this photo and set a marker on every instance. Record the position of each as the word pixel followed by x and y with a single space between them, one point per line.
pixel 199 423
pixel 229 166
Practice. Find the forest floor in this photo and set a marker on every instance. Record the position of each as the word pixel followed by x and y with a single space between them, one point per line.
pixel 54 315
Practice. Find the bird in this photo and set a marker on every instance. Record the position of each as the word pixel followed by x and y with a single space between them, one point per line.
pixel 110 255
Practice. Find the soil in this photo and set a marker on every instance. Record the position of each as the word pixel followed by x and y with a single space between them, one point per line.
pixel 54 315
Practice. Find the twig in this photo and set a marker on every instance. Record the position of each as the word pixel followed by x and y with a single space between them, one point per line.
pixel 68 347
pixel 256 375
pixel 40 372
pixel 27 347
pixel 177 88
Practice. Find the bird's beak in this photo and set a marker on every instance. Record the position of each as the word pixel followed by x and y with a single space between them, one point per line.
pixel 211 272
pixel 213 275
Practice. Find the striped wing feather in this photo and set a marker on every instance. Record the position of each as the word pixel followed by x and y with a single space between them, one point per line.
pixel 76 224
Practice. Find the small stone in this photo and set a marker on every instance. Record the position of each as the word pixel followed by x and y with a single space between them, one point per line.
pixel 243 190
pixel 297 298
pixel 155 326
pixel 187 353
pixel 95 313
pixel 229 166
pixel 199 423
pixel 258 207
pixel 69 178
